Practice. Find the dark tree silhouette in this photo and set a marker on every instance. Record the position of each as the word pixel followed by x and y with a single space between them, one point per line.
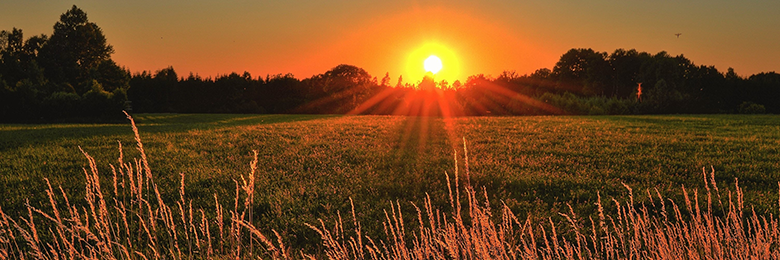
pixel 400 83
pixel 583 71
pixel 427 83
pixel 76 47
pixel 386 80
pixel 347 83
pixel 71 74
pixel 626 67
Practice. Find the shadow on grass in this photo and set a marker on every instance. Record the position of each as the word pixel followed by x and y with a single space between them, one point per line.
pixel 16 135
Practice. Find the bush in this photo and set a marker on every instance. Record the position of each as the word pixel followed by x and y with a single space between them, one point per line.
pixel 751 108
pixel 576 105
pixel 61 104
pixel 100 103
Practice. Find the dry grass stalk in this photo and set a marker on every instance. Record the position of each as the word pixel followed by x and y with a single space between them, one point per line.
pixel 139 224
pixel 633 232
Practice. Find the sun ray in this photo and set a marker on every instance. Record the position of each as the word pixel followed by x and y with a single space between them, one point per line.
pixel 373 101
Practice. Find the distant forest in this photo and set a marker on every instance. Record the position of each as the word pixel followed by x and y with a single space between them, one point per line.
pixel 70 74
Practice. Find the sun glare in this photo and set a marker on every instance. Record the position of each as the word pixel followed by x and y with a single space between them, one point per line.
pixel 437 59
pixel 432 64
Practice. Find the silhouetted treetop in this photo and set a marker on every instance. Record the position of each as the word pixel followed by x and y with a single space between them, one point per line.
pixel 76 46
pixel 71 74
pixel 345 76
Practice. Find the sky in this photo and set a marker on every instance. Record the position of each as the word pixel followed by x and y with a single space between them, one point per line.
pixel 305 38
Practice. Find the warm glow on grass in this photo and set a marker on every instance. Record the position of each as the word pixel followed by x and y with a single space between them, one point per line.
pixel 433 56
pixel 432 64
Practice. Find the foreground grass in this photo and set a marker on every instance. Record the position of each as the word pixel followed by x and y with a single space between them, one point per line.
pixel 310 166
pixel 138 222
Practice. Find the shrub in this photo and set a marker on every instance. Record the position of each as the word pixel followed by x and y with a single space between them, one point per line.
pixel 61 104
pixel 100 103
pixel 751 108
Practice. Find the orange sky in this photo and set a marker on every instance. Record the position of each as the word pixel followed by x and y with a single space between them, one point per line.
pixel 309 37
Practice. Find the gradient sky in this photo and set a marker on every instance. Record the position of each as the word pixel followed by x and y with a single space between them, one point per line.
pixel 305 38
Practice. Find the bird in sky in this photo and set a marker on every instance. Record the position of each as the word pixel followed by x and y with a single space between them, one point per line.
pixel 678 34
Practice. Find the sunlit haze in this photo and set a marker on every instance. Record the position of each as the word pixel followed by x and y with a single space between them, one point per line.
pixel 487 37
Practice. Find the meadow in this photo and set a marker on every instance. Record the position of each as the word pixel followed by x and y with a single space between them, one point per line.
pixel 320 167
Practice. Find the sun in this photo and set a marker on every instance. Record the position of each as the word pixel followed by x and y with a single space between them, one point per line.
pixel 432 64
pixel 436 58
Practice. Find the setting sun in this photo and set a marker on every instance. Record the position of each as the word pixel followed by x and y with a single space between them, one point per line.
pixel 433 56
pixel 432 64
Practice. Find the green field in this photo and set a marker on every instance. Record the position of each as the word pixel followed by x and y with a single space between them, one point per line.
pixel 310 166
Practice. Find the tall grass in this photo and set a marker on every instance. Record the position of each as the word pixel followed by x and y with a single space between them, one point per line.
pixel 130 220
pixel 137 223
pixel 659 229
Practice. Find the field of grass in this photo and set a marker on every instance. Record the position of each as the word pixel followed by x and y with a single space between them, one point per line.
pixel 310 166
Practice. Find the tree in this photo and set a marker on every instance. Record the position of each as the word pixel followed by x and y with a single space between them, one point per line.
pixel 167 75
pixel 75 48
pixel 731 75
pixel 476 80
pixel 764 89
pixel 508 76
pixel 427 83
pixel 626 66
pixel 386 80
pixel 662 98
pixel 583 71
pixel 153 92
pixel 444 84
pixel 165 81
pixel 456 85
pixel 282 93
pixel 110 75
pixel 706 91
pixel 347 80
pixel 22 81
pixel 542 74
pixel 17 57
pixel 10 52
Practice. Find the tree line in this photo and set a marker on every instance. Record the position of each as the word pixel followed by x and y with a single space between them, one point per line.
pixel 70 74
pixel 67 74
